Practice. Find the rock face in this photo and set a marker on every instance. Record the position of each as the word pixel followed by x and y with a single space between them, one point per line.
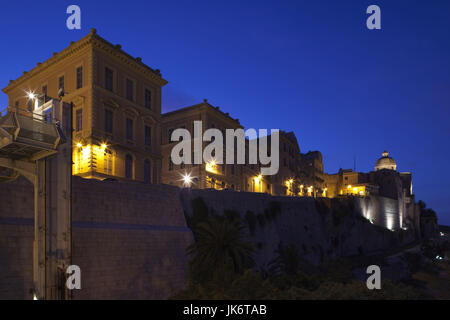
pixel 322 228
pixel 429 226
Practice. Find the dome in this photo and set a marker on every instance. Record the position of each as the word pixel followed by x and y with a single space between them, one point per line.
pixel 385 162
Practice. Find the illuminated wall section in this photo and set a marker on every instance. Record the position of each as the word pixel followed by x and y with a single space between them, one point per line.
pixel 381 211
pixel 92 159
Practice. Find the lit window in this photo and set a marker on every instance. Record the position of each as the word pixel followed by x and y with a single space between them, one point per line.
pixel 108 162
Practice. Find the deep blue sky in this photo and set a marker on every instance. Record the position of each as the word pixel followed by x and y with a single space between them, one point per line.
pixel 307 66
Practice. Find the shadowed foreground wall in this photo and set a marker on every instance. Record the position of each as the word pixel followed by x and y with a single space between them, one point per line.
pixel 16 240
pixel 129 240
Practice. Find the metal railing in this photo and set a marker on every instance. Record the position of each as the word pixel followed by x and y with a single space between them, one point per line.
pixel 27 113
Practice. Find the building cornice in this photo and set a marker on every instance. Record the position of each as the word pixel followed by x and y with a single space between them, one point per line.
pixel 95 41
pixel 57 57
pixel 127 60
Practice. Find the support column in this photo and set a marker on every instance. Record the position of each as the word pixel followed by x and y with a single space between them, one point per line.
pixel 39 250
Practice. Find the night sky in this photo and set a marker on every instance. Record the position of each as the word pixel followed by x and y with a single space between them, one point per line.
pixel 308 66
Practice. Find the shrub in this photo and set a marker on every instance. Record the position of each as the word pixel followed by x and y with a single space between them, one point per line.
pixel 251 221
pixel 261 220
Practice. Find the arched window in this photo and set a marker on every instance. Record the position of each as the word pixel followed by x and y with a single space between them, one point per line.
pixel 147 171
pixel 128 166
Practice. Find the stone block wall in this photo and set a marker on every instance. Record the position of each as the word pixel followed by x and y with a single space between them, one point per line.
pixel 129 240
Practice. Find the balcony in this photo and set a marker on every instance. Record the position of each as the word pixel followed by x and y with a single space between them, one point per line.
pixel 26 135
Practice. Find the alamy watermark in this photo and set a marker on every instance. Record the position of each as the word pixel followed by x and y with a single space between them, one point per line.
pixel 374 20
pixel 374 280
pixel 235 144
pixel 74 20
pixel 74 279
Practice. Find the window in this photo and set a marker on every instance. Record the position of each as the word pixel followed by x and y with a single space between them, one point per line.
pixel 30 105
pixel 147 171
pixel 79 77
pixel 109 79
pixel 108 158
pixel 129 87
pixel 108 121
pixel 48 115
pixel 79 120
pixel 128 166
pixel 148 99
pixel 17 103
pixel 170 134
pixel 155 174
pixel 129 129
pixel 44 91
pixel 61 83
pixel 148 135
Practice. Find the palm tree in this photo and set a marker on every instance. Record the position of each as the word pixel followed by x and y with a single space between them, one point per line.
pixel 220 243
pixel 287 260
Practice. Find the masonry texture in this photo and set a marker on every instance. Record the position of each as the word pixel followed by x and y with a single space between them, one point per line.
pixel 320 229
pixel 129 240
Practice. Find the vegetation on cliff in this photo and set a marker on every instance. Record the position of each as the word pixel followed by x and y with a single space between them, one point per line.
pixel 222 267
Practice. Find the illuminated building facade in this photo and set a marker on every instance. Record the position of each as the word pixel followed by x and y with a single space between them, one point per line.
pixel 116 107
pixel 300 174
pixel 213 175
pixel 383 181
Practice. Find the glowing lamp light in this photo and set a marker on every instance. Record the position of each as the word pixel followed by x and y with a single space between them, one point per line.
pixel 258 178
pixel 211 166
pixel 31 95
pixel 79 145
pixel 187 180
pixel 86 152
pixel 104 146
